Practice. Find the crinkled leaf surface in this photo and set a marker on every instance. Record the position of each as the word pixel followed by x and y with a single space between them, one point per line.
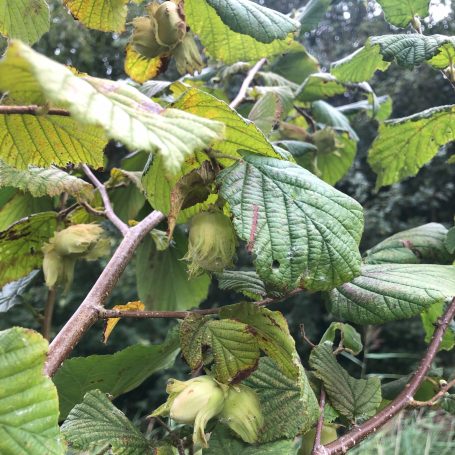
pixel 226 45
pixel 105 15
pixel 351 397
pixel 223 441
pixel 96 424
pixel 139 68
pixel 245 281
pixel 387 292
pixel 20 245
pixel 113 373
pixel 162 277
pixel 305 232
pixel 401 12
pixel 430 319
pixel 41 182
pixel 289 406
pixel 248 18
pixel 420 245
pixel 408 50
pixel 43 140
pixel 404 145
pixel 26 20
pixel 10 293
pixel 28 399
pixel 123 112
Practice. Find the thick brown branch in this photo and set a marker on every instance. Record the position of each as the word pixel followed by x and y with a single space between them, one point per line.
pixel 33 110
pixel 108 210
pixel 107 314
pixel 87 313
pixel 246 83
pixel 359 433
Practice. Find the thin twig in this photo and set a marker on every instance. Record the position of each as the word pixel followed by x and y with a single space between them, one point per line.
pixel 87 313
pixel 109 211
pixel 33 110
pixel 92 210
pixel 359 433
pixel 317 437
pixel 246 83
pixel 46 325
pixel 108 314
pixel 433 401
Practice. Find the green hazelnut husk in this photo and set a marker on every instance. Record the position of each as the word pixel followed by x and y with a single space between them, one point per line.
pixel 187 56
pixel 143 39
pixel 170 28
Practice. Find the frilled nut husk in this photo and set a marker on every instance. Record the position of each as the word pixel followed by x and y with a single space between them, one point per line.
pixel 194 402
pixel 80 241
pixel 242 412
pixel 144 40
pixel 325 140
pixel 212 243
pixel 170 28
pixel 187 56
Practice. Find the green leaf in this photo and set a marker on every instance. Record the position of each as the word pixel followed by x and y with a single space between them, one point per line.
pixel 223 441
pixel 420 245
pixel 97 426
pixel 448 403
pixel 350 338
pixel 305 232
pixel 105 15
pixel 10 293
pixel 41 182
pixel 296 66
pixel 449 241
pixel 20 245
pixel 247 18
pixel 224 44
pixel 318 86
pixel 267 111
pixel 404 145
pixel 401 12
pixel 271 333
pixel 311 14
pixel 387 292
pixel 43 140
pixel 446 56
pixel 408 50
pixel 289 406
pixel 356 399
pixel 113 373
pixel 162 277
pixel 430 318
pixel 123 112
pixel 329 115
pixel 233 347
pixel 28 399
pixel 26 20
pixel 245 281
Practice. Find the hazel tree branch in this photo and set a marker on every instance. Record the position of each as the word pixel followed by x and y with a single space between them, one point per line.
pixel 317 437
pixel 108 210
pixel 359 433
pixel 434 401
pixel 33 109
pixel 246 83
pixel 87 313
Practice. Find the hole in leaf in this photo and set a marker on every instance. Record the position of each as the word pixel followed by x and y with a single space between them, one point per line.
pixel 275 265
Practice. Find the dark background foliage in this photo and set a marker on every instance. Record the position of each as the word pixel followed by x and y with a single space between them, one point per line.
pixel 425 198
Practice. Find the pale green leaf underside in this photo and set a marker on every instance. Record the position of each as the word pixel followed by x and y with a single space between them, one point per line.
pixel 244 281
pixel 404 145
pixel 430 318
pixel 226 45
pixel 96 424
pixel 43 140
pixel 420 245
pixel 122 111
pixel 20 245
pixel 26 20
pixel 113 373
pixel 351 397
pixel 289 406
pixel 388 292
pixel 41 182
pixel 248 18
pixel 408 50
pixel 28 398
pixel 401 12
pixel 306 233
pixel 105 15
pixel 319 86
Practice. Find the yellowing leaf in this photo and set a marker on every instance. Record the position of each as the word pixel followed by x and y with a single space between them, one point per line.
pixel 141 69
pixel 112 322
pixel 123 112
pixel 26 20
pixel 105 15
